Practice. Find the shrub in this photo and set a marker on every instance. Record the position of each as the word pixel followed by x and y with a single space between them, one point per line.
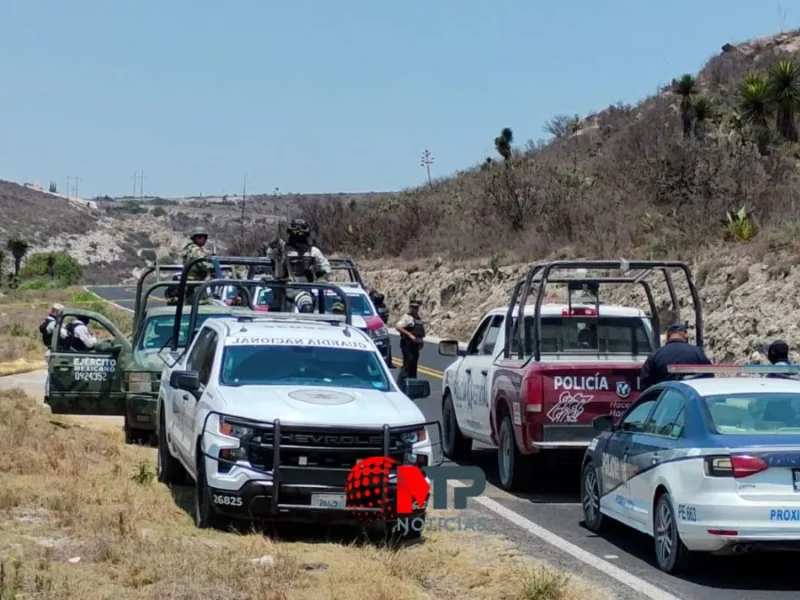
pixel 66 270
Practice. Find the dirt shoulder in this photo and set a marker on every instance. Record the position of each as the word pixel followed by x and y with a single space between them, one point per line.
pixel 81 515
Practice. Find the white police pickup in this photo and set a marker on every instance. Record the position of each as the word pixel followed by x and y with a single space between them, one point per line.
pixel 269 414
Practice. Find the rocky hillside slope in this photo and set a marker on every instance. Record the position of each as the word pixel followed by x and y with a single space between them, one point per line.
pixel 747 300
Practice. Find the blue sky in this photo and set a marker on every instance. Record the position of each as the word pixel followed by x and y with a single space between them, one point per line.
pixel 313 96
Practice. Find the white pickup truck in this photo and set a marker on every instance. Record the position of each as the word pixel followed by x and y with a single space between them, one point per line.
pixel 268 415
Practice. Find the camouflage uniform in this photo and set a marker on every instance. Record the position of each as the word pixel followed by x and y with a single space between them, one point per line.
pixel 199 271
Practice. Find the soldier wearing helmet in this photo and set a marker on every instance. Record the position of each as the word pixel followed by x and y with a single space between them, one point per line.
pixel 199 271
pixel 302 261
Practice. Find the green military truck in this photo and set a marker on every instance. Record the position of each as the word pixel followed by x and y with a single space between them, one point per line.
pixel 120 376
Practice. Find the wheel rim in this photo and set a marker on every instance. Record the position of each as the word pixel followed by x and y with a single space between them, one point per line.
pixel 591 496
pixel 665 531
pixel 449 430
pixel 505 454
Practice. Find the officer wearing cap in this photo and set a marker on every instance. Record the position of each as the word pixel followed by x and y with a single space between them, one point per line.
pixel 412 334
pixel 337 308
pixel 676 351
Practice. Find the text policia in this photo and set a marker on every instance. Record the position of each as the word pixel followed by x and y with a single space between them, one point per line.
pixel 368 488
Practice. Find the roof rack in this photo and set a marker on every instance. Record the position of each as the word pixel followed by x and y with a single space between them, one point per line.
pixel 281 287
pixel 632 272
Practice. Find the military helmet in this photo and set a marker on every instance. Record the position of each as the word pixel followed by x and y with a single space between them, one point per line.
pixel 298 227
pixel 198 231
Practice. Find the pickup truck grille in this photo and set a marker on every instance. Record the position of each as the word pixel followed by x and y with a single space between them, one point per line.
pixel 309 448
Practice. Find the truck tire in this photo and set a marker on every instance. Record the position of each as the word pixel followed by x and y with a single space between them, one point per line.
pixel 511 463
pixel 136 436
pixel 205 515
pixel 170 470
pixel 455 445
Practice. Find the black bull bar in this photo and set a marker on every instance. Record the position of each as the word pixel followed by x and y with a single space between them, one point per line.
pixel 278 471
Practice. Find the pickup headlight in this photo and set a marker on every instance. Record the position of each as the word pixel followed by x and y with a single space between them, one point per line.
pixel 237 431
pixel 379 333
pixel 140 383
pixel 414 437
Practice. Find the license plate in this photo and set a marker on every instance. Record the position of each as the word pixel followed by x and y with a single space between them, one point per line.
pixel 796 479
pixel 328 501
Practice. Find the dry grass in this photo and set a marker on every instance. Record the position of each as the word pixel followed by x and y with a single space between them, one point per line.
pixel 81 516
pixel 21 313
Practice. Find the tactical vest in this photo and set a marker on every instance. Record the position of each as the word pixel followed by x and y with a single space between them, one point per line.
pixel 75 343
pixel 47 336
pixel 417 329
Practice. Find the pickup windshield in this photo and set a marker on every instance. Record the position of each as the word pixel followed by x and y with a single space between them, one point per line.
pixel 157 331
pixel 303 366
pixel 607 335
pixel 755 414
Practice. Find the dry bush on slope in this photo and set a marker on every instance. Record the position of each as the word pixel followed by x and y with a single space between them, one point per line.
pixel 627 183
pixel 73 491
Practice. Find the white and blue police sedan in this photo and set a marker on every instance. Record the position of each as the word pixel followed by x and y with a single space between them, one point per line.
pixel 702 465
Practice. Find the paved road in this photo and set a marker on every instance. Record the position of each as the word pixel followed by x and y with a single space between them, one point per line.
pixel 558 511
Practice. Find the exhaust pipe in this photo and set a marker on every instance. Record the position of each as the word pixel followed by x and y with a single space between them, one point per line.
pixel 739 549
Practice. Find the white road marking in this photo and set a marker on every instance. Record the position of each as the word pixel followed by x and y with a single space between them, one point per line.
pixel 632 581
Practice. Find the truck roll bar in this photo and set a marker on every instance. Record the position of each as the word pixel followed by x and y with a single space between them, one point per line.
pixel 140 283
pixel 539 275
pixel 279 286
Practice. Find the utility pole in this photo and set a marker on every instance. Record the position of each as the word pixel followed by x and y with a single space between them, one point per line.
pixel 77 179
pixel 141 184
pixel 134 183
pixel 68 190
pixel 244 199
pixel 426 161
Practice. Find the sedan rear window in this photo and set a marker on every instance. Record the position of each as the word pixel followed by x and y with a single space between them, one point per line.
pixel 755 413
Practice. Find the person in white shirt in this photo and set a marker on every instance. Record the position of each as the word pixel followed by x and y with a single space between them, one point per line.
pixel 49 324
pixel 81 339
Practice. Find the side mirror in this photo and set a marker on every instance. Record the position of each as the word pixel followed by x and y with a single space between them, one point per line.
pixel 416 388
pixel 188 381
pixel 603 423
pixel 450 348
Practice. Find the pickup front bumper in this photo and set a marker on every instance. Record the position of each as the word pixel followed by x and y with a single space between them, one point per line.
pixel 299 472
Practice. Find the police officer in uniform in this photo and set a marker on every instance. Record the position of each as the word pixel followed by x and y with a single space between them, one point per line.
pixel 676 351
pixel 412 334
pixel 200 271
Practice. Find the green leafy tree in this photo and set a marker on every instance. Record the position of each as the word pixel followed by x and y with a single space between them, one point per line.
pixel 686 88
pixel 756 109
pixel 502 143
pixel 18 248
pixel 53 187
pixel 783 83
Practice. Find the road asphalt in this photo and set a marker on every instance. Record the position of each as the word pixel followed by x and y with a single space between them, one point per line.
pixel 548 524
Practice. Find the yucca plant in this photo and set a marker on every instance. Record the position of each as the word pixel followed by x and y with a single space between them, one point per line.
pixel 783 83
pixel 740 225
pixel 756 107
pixel 686 88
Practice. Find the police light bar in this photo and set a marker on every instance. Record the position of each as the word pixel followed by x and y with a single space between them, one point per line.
pixel 578 311
pixel 751 369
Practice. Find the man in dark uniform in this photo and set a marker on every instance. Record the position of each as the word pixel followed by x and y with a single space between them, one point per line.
pixel 778 354
pixel 412 334
pixel 677 351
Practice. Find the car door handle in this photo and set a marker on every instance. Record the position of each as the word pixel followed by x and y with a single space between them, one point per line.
pixel 654 460
pixel 186 397
pixel 485 372
pixel 468 371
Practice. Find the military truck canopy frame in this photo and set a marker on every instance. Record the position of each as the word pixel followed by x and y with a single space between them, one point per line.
pixel 158 269
pixel 539 276
pixel 260 267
